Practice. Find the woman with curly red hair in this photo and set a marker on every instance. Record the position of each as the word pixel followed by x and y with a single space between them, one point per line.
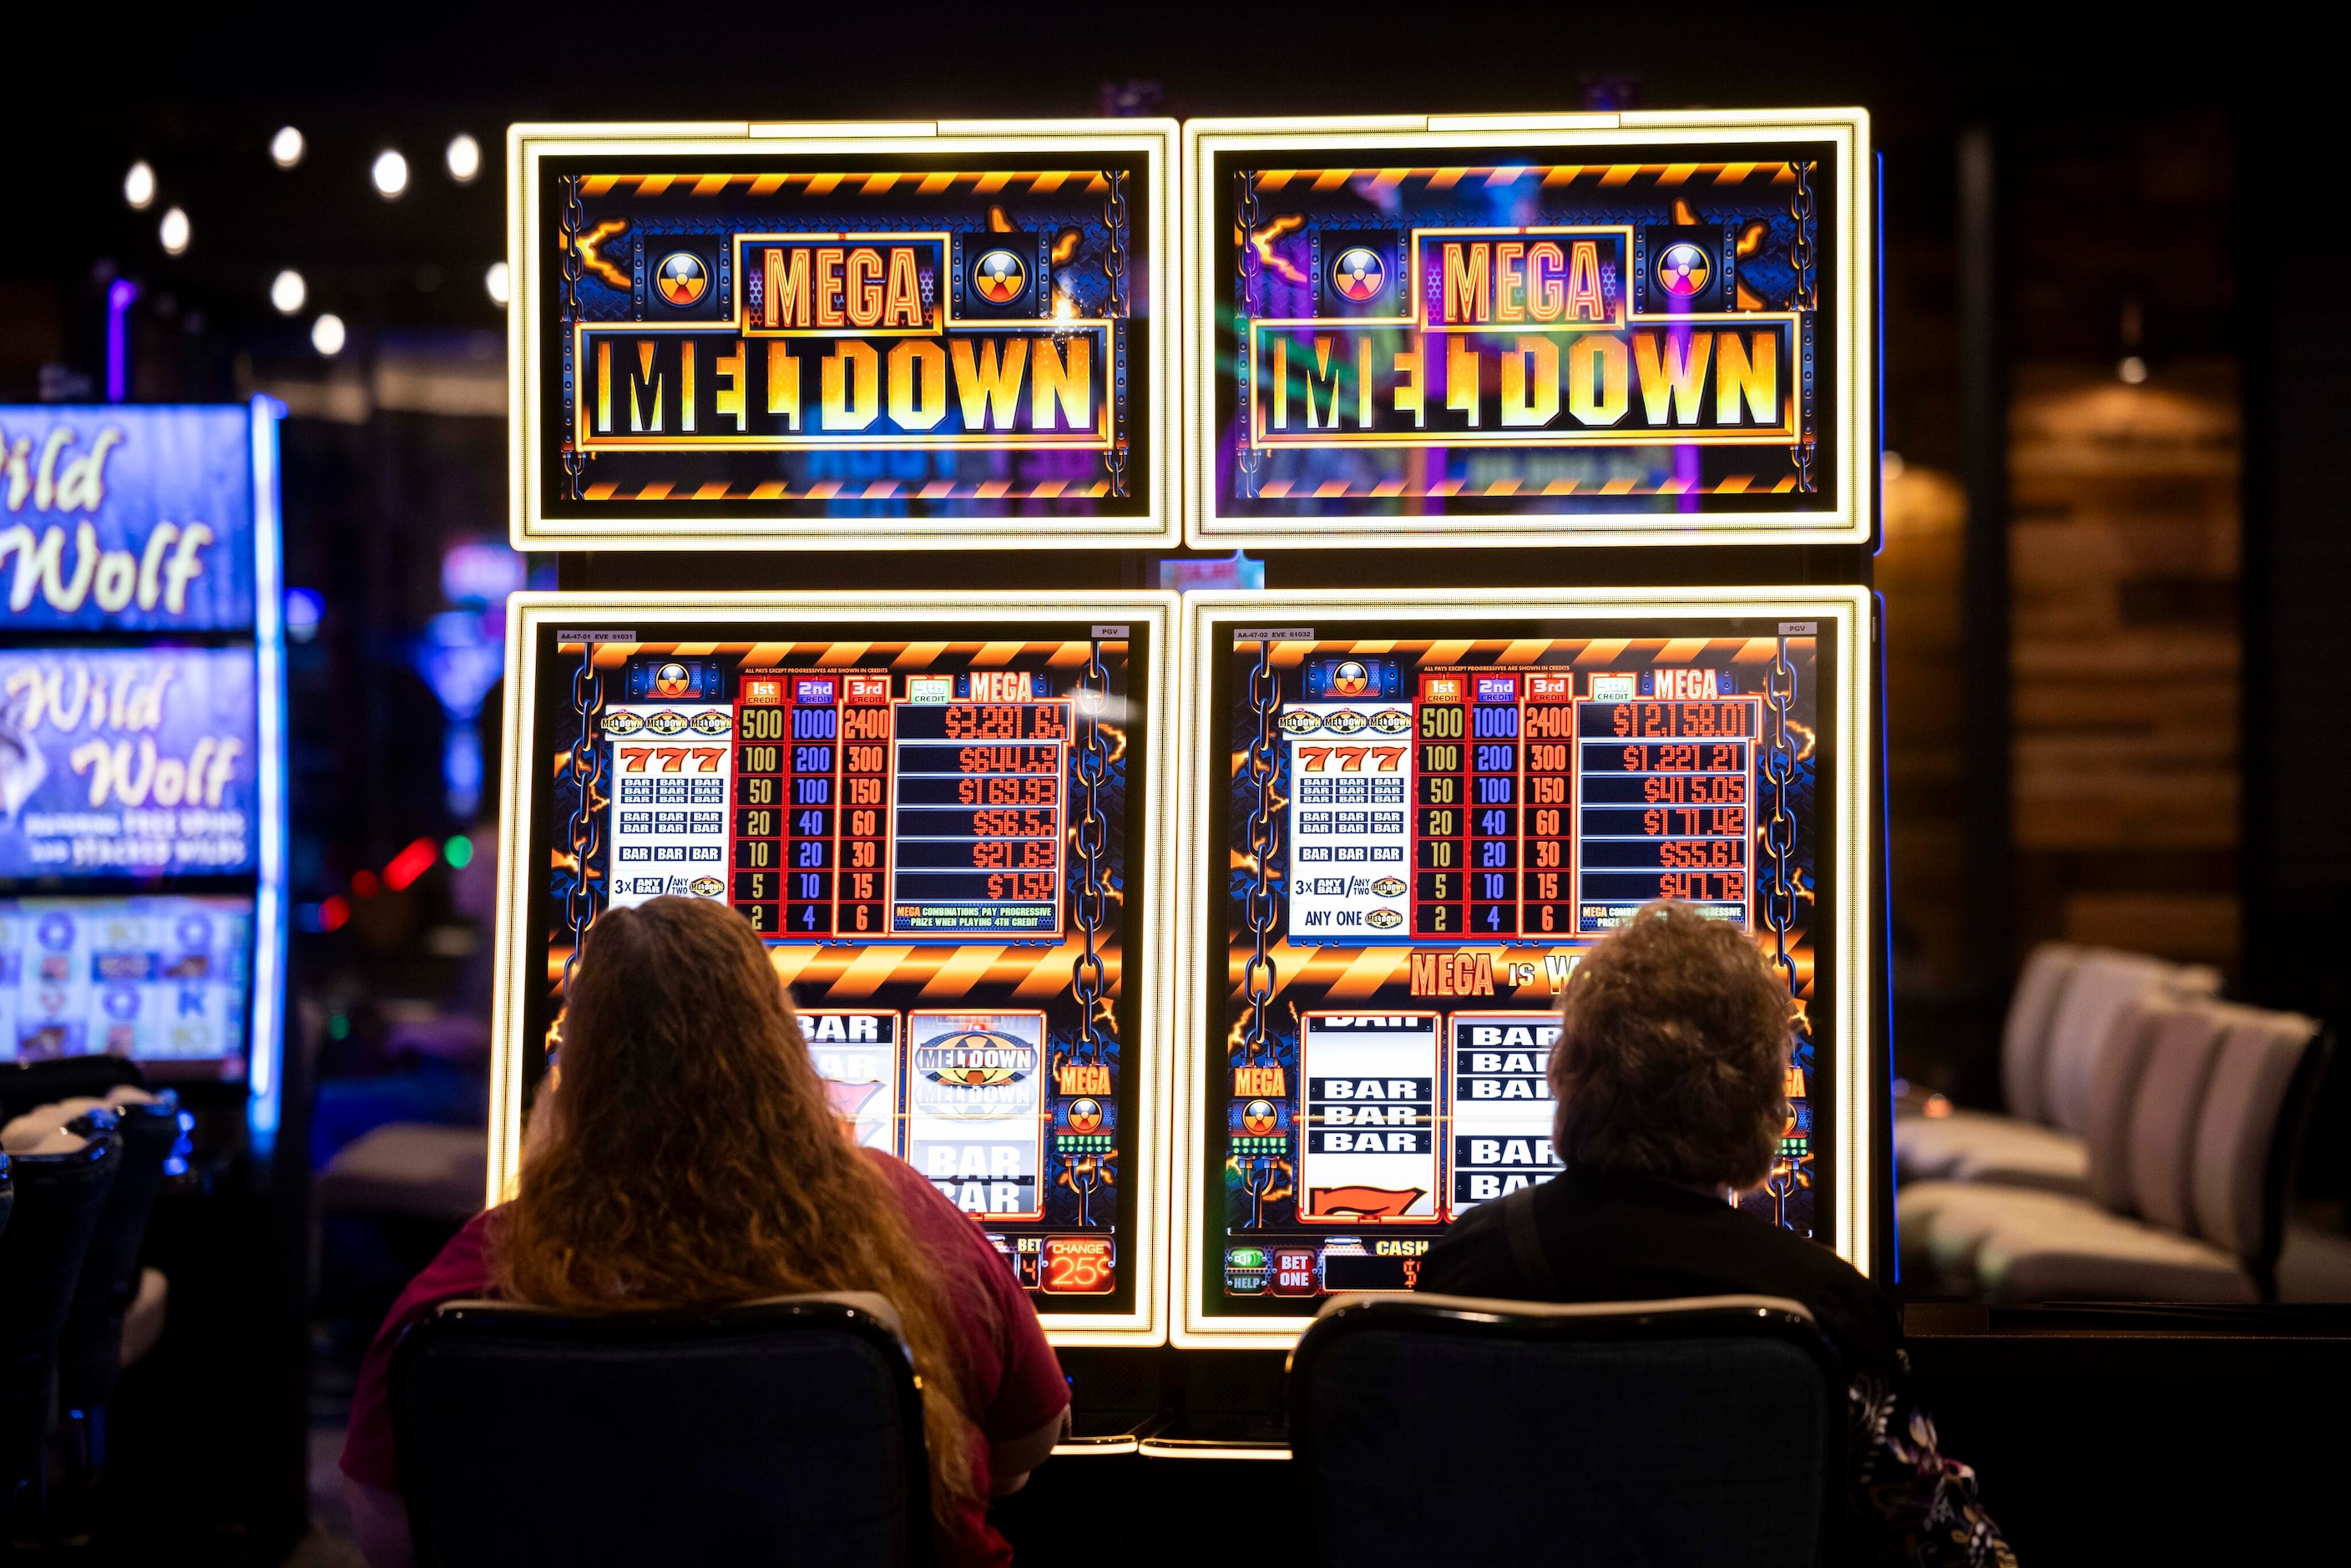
pixel 686 1156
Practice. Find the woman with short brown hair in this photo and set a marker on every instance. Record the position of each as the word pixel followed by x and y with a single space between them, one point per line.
pixel 687 1156
pixel 1670 1074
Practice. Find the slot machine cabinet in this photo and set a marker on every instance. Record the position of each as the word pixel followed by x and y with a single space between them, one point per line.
pixel 912 355
pixel 1629 359
pixel 143 884
pixel 946 815
pixel 1434 803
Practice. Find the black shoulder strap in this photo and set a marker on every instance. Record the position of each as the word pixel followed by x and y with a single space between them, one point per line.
pixel 1526 1242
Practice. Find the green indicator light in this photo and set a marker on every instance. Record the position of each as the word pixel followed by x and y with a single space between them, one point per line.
pixel 458 852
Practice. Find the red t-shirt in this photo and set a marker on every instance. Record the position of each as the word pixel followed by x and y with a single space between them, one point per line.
pixel 1011 1382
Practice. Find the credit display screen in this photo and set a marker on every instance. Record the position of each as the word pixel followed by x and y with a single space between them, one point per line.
pixel 1416 826
pixel 1656 331
pixel 940 827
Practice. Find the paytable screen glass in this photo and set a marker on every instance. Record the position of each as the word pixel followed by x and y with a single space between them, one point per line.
pixel 932 831
pixel 1427 832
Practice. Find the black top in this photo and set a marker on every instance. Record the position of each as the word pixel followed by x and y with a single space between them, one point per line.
pixel 1610 1237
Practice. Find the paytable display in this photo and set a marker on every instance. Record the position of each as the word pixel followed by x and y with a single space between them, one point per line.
pixel 954 334
pixel 1413 814
pixel 941 819
pixel 1601 329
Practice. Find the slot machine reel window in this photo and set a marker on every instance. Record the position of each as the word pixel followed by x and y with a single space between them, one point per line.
pixel 1431 812
pixel 939 826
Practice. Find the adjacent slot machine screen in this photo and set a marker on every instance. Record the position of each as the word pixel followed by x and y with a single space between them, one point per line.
pixel 1580 330
pixel 941 824
pixel 143 870
pixel 1415 819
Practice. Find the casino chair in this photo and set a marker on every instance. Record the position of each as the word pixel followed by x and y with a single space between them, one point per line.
pixel 118 1307
pixel 787 1430
pixel 1703 1430
pixel 2062 1023
pixel 2188 1182
pixel 63 1168
pixel 27 1085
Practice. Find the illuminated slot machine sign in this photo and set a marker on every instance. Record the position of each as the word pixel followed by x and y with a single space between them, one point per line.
pixel 142 818
pixel 746 336
pixel 1431 807
pixel 938 821
pixel 1611 328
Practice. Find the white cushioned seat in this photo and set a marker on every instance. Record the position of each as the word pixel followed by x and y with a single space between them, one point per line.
pixel 2021 1154
pixel 2197 1167
pixel 2024 1037
pixel 1930 1149
pixel 2074 1250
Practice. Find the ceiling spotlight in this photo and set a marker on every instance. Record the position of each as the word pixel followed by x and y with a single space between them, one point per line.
pixel 285 148
pixel 464 158
pixel 327 334
pixel 2133 371
pixel 139 184
pixel 500 282
pixel 286 291
pixel 390 174
pixel 173 231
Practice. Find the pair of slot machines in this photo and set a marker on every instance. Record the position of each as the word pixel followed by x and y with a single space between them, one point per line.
pixel 1205 949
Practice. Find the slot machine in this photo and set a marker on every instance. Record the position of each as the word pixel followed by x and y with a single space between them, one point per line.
pixel 142 812
pixel 845 435
pixel 1434 804
pixel 945 816
pixel 1559 433
pixel 143 885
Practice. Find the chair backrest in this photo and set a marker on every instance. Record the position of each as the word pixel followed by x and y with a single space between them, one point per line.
pixel 779 1431
pixel 2103 984
pixel 1631 1432
pixel 61 1187
pixel 2114 1095
pixel 90 1350
pixel 2161 1144
pixel 2249 1130
pixel 2024 1038
pixel 25 1086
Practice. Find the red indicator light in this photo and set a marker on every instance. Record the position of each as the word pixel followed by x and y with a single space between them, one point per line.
pixel 408 865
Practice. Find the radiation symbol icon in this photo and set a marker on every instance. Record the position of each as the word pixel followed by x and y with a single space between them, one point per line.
pixel 1085 1115
pixel 682 279
pixel 671 681
pixel 998 277
pixel 1683 269
pixel 1349 680
pixel 1259 1119
pixel 1359 275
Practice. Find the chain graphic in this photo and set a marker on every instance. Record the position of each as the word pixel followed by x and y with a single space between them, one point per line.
pixel 1802 257
pixel 1114 265
pixel 1245 275
pixel 586 760
pixel 1088 977
pixel 575 218
pixel 1780 827
pixel 1261 907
